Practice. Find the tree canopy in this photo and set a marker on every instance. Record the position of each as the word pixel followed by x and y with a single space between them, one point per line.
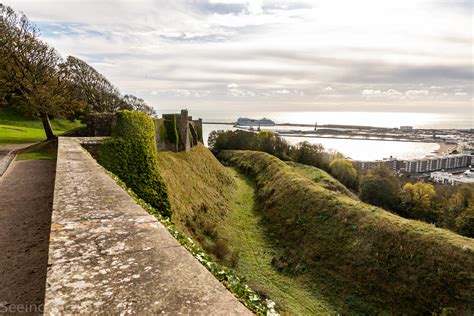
pixel 96 89
pixel 36 85
pixel 380 187
pixel 35 80
pixel 345 172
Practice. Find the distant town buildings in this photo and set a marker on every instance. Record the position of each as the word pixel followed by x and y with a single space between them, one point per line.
pixel 406 128
pixel 448 178
pixel 423 165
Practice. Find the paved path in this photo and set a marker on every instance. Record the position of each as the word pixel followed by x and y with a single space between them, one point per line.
pixel 26 196
pixel 4 149
pixel 108 255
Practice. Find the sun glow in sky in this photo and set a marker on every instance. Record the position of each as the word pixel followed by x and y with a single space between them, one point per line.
pixel 364 55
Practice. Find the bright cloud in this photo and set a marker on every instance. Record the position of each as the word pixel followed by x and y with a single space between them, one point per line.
pixel 271 55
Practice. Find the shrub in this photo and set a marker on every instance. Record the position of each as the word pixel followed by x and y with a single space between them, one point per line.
pixel 417 200
pixel 465 223
pixel 267 141
pixel 344 171
pixel 380 187
pixel 131 155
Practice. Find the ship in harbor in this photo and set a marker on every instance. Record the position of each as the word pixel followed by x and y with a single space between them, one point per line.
pixel 244 121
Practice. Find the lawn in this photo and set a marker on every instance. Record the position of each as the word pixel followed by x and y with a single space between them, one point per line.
pixel 10 134
pixel 9 116
pixel 15 128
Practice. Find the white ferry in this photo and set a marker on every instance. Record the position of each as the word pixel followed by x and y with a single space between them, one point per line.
pixel 244 121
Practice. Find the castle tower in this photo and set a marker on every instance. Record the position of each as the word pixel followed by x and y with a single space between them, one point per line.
pixel 183 131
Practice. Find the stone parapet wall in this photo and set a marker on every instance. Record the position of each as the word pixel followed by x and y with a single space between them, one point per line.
pixel 100 124
pixel 107 255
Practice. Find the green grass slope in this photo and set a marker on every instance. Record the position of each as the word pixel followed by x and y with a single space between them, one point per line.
pixel 216 206
pixel 393 264
pixel 15 128
pixel 321 177
pixel 246 236
pixel 199 190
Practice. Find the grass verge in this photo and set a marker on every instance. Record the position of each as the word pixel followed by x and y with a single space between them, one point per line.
pixel 42 151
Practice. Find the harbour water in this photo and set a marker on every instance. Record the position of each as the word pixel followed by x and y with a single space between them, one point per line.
pixel 353 148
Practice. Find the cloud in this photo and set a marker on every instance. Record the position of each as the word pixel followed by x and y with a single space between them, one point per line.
pixel 232 86
pixel 389 92
pixel 287 53
pixel 417 92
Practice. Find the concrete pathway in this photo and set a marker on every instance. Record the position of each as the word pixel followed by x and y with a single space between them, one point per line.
pixel 26 197
pixel 108 255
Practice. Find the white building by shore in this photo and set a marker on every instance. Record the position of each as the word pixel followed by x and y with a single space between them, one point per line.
pixel 448 178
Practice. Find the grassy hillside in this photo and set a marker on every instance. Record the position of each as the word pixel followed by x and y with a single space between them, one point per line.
pixel 15 128
pixel 321 177
pixel 371 259
pixel 244 231
pixel 200 190
pixel 216 206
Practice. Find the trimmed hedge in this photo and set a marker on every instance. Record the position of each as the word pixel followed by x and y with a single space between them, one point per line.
pixel 398 265
pixel 131 155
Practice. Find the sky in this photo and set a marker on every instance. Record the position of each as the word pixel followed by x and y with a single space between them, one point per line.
pixel 234 55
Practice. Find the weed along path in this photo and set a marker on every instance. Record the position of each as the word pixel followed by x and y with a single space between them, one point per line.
pixel 246 237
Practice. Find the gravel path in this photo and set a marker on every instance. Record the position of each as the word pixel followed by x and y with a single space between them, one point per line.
pixel 26 196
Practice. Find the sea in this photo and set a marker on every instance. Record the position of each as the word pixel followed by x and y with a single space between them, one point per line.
pixel 351 148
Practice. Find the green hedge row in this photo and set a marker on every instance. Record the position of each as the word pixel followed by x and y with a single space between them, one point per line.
pixel 131 155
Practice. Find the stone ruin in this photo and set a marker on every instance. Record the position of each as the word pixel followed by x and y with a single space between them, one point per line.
pixel 174 132
pixel 188 132
pixel 100 124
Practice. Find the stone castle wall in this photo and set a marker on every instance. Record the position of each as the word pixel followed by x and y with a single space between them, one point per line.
pixel 189 131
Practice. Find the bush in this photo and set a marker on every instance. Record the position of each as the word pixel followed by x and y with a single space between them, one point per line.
pixel 266 141
pixel 465 223
pixel 380 187
pixel 131 155
pixel 345 172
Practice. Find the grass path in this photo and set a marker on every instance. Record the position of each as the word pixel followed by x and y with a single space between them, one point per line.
pixel 247 238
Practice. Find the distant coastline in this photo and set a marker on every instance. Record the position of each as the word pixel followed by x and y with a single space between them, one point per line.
pixel 445 148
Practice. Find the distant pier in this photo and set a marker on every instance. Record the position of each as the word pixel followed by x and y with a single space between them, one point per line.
pixel 361 132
